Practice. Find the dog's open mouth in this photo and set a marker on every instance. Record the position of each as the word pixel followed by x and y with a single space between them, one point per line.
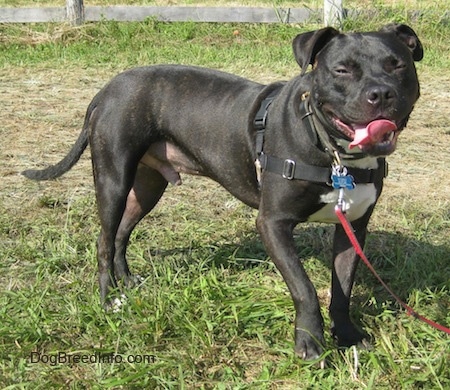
pixel 378 136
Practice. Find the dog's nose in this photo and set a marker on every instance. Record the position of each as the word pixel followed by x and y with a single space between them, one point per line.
pixel 380 95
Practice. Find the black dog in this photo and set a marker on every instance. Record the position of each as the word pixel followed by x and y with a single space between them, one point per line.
pixel 326 129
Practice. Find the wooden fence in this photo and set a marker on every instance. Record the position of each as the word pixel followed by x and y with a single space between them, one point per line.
pixel 76 13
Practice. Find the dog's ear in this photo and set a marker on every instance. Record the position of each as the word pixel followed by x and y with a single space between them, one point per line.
pixel 407 35
pixel 307 45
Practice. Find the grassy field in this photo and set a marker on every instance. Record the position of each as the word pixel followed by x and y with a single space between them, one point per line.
pixel 212 311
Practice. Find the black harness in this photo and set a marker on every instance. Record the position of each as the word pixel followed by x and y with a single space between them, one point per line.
pixel 291 169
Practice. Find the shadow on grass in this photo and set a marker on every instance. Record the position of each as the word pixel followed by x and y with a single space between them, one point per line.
pixel 405 263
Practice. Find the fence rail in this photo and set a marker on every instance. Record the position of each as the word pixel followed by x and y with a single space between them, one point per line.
pixel 331 16
pixel 170 14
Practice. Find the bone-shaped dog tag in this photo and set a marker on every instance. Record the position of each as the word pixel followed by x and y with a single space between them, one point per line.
pixel 341 179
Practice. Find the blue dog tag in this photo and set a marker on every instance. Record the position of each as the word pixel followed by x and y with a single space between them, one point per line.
pixel 340 179
pixel 339 182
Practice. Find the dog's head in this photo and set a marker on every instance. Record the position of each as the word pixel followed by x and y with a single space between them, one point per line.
pixel 364 85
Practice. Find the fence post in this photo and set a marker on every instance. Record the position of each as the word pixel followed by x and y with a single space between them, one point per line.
pixel 75 12
pixel 333 13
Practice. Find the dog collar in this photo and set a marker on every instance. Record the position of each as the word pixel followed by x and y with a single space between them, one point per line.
pixel 329 140
pixel 290 169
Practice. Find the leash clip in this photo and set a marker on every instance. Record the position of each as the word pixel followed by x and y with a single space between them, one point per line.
pixel 341 204
pixel 341 180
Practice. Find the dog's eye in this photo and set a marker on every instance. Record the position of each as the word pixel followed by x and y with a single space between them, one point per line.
pixel 395 65
pixel 342 70
pixel 400 65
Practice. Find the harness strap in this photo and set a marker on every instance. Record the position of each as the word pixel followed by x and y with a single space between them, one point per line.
pixel 260 121
pixel 261 116
pixel 291 170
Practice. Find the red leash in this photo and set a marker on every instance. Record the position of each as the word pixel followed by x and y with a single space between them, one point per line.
pixel 354 241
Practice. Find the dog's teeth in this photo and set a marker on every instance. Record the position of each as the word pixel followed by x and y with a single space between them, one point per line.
pixel 388 139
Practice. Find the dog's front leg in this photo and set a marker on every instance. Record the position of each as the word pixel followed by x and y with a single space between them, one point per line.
pixel 278 239
pixel 345 262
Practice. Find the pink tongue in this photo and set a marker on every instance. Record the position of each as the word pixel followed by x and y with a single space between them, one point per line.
pixel 373 133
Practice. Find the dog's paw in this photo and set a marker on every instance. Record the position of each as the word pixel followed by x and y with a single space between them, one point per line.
pixel 348 336
pixel 133 281
pixel 130 280
pixel 115 304
pixel 137 280
pixel 309 347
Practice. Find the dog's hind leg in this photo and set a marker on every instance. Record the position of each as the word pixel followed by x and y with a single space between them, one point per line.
pixel 111 203
pixel 114 166
pixel 148 187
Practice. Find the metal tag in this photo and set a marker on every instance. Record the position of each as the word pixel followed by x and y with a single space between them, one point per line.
pixel 341 179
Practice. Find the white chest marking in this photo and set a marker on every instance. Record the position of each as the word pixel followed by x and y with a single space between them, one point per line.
pixel 357 201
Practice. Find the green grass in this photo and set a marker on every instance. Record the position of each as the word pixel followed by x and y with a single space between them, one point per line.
pixel 109 44
pixel 212 312
pixel 112 43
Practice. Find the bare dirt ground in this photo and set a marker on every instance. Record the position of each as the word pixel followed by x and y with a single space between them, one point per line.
pixel 42 113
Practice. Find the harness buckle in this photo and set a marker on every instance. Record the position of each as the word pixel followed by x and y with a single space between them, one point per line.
pixel 288 169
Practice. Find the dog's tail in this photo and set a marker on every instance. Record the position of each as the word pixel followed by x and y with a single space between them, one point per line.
pixel 57 170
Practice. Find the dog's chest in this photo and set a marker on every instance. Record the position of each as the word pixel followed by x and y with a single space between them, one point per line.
pixel 357 202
